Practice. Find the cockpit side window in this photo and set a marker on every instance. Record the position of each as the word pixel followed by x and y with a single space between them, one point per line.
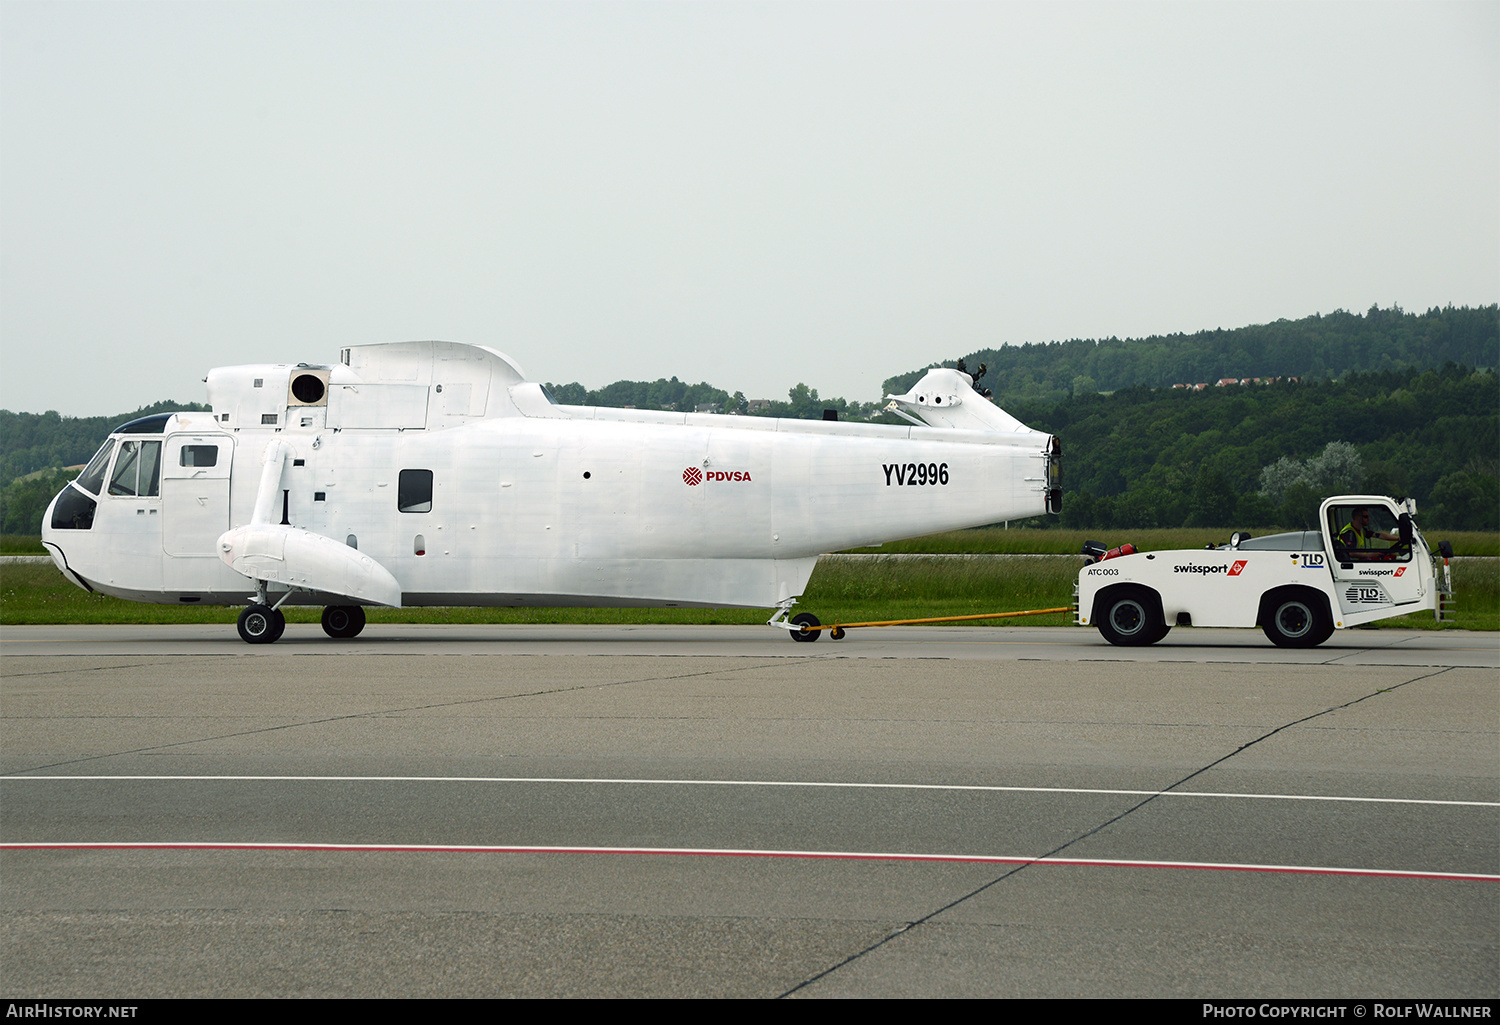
pixel 151 468
pixel 92 476
pixel 137 470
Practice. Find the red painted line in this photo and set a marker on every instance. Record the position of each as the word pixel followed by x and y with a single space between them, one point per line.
pixel 984 859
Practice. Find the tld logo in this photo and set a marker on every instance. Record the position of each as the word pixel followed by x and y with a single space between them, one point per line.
pixel 1312 560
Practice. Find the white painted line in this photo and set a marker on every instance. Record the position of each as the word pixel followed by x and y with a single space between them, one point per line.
pixel 754 783
pixel 986 859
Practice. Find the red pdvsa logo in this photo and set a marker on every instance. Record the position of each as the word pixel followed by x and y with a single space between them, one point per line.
pixel 1234 570
pixel 693 476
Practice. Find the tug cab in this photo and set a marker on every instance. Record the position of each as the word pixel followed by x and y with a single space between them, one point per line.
pixel 1367 562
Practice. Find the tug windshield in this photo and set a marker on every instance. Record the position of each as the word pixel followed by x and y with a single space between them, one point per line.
pixel 1365 533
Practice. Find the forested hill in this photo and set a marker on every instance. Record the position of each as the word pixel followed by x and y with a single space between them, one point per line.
pixel 37 441
pixel 1257 456
pixel 1321 346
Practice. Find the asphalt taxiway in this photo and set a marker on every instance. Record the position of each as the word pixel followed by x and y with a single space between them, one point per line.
pixel 718 811
pixel 1184 644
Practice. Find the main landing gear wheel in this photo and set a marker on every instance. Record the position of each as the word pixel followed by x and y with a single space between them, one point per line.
pixel 1131 617
pixel 1297 623
pixel 805 621
pixel 260 624
pixel 343 620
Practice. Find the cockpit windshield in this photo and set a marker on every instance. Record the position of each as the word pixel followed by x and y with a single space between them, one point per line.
pixel 92 476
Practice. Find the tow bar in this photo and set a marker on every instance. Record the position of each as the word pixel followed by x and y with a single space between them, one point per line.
pixel 836 630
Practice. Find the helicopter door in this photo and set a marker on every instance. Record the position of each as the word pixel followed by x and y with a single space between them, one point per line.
pixel 195 493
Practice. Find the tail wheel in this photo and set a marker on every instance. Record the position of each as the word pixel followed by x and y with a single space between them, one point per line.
pixel 806 624
pixel 1297 621
pixel 1131 617
pixel 343 620
pixel 260 624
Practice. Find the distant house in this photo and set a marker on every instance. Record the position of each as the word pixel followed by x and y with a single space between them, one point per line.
pixel 1225 382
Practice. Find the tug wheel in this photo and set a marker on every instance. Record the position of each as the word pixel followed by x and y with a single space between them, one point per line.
pixel 807 622
pixel 343 620
pixel 260 624
pixel 1296 620
pixel 837 633
pixel 1131 617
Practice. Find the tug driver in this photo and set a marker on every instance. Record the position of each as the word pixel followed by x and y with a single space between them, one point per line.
pixel 1358 535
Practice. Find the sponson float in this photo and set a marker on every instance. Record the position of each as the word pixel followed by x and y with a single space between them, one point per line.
pixel 433 473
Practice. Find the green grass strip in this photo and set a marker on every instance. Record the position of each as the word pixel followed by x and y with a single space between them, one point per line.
pixel 844 590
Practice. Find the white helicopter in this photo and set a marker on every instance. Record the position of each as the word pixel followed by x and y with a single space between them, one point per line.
pixel 433 473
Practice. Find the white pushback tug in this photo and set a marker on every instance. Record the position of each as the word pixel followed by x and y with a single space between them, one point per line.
pixel 433 473
pixel 1366 562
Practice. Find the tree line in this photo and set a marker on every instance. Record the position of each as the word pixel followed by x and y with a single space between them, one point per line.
pixel 42 441
pixel 801 403
pixel 1260 456
pixel 1321 346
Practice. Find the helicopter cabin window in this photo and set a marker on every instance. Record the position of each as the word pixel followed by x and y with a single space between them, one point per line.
pixel 200 455
pixel 137 470
pixel 414 491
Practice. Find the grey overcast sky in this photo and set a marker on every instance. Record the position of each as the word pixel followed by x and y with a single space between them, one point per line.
pixel 752 194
